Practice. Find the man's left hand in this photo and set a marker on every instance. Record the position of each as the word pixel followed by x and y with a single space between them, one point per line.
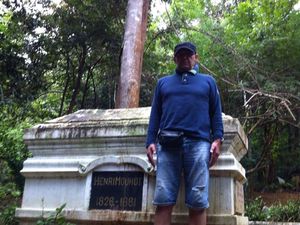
pixel 215 152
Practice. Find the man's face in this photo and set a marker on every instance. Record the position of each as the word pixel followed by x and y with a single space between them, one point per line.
pixel 185 60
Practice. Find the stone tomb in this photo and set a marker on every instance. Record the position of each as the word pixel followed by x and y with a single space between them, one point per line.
pixel 94 161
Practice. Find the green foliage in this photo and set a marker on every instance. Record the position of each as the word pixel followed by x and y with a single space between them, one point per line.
pixel 20 65
pixel 256 210
pixel 7 216
pixel 262 34
pixel 9 189
pixel 289 212
pixel 9 198
pixel 13 152
pixel 4 20
pixel 12 155
pixel 73 49
pixel 278 145
pixel 88 47
pixel 12 148
pixel 55 219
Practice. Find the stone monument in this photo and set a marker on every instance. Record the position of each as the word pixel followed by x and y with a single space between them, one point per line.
pixel 94 161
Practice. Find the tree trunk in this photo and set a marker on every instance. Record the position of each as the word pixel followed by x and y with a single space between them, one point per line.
pixel 66 87
pixel 89 75
pixel 133 47
pixel 86 87
pixel 78 80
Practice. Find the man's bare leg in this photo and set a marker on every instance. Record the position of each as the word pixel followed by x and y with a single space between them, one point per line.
pixel 163 215
pixel 197 217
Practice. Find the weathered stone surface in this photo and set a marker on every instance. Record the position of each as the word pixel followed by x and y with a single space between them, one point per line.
pixel 272 223
pixel 67 150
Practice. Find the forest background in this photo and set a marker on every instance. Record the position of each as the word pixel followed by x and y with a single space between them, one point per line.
pixel 58 58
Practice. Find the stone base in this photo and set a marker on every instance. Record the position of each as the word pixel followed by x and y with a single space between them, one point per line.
pixel 109 217
pixel 91 217
pixel 182 219
pixel 227 220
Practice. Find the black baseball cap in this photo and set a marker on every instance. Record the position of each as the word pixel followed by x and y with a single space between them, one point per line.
pixel 185 45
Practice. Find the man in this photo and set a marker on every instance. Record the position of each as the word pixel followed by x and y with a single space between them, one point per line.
pixel 188 103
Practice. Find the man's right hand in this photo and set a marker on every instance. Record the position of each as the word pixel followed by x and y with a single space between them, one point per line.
pixel 150 152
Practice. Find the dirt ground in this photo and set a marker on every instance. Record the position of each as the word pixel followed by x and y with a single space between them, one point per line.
pixel 275 197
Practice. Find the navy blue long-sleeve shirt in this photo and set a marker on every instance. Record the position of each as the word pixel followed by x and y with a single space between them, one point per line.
pixel 187 102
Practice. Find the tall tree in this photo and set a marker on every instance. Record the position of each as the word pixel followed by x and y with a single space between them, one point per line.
pixel 128 94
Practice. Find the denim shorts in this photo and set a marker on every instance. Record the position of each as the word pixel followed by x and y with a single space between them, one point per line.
pixel 191 159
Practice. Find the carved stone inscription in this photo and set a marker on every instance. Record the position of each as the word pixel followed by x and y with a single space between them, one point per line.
pixel 117 190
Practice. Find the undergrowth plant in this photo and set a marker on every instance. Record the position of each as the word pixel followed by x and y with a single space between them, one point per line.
pixel 256 210
pixel 56 218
